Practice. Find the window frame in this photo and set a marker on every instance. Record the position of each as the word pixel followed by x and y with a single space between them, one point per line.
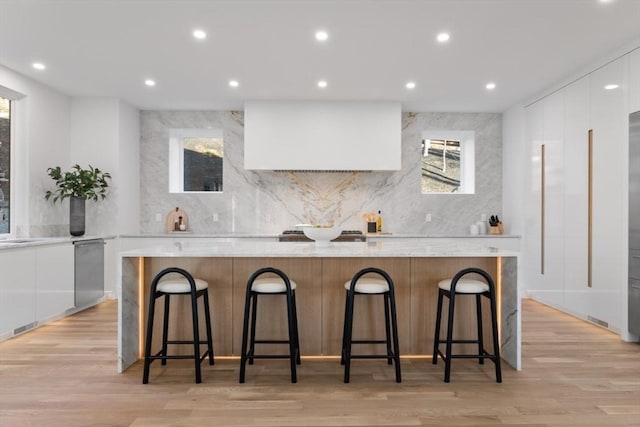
pixel 15 98
pixel 176 156
pixel 467 157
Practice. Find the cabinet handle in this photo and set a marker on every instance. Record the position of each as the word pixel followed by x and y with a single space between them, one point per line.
pixel 542 202
pixel 635 256
pixel 635 286
pixel 590 209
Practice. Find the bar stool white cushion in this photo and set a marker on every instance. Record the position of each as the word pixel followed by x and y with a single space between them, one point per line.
pixel 271 285
pixel 366 285
pixel 180 285
pixel 465 286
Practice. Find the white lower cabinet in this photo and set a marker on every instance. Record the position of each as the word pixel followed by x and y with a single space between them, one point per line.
pixel 54 280
pixel 17 290
pixel 37 284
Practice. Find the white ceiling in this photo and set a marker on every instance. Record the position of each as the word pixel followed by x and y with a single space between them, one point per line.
pixel 108 48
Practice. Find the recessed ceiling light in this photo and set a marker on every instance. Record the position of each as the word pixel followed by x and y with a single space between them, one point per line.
pixel 150 82
pixel 322 36
pixel 612 86
pixel 199 34
pixel 606 1
pixel 490 86
pixel 38 66
pixel 234 83
pixel 410 85
pixel 322 83
pixel 443 37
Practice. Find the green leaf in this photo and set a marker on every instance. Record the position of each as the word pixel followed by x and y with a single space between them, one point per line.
pixel 88 184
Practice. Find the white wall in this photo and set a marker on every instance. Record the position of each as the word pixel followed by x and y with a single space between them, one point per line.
pixel 105 133
pixel 129 170
pixel 94 141
pixel 41 141
pixel 513 165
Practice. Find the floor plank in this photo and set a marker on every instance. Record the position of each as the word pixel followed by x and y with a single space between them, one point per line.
pixel 574 374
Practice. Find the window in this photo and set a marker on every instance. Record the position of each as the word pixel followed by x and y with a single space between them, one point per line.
pixel 448 162
pixel 5 165
pixel 195 160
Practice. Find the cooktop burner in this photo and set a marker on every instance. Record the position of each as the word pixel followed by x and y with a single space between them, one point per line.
pixel 345 236
pixel 349 232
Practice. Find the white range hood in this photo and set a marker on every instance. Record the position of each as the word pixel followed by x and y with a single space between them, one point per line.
pixel 322 135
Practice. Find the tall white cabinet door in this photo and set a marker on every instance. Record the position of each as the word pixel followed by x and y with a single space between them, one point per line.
pixel 553 196
pixel 576 170
pixel 608 119
pixel 634 81
pixel 54 280
pixel 531 242
pixel 17 289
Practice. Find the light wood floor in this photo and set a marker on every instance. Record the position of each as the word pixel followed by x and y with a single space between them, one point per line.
pixel 574 374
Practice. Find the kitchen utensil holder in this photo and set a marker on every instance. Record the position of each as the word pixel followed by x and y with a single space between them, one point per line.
pixel 496 229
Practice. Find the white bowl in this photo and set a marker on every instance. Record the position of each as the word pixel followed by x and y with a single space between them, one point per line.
pixel 322 235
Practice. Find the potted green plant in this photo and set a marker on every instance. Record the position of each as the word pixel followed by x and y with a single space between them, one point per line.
pixel 79 185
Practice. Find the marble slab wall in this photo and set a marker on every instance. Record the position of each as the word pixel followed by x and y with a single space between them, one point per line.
pixel 269 202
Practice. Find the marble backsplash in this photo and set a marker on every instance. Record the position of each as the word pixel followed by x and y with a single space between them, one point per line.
pixel 269 202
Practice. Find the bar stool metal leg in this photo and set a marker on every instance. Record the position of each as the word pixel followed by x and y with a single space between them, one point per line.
pixel 165 328
pixel 479 325
pixel 387 328
pixel 295 326
pixel 207 315
pixel 196 339
pixel 370 286
pixel 269 286
pixel 254 316
pixel 188 286
pixel 436 340
pixel 451 288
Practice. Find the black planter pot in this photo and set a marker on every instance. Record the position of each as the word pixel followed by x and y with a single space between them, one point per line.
pixel 76 216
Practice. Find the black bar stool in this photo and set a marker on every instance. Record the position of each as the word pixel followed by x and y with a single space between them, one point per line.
pixel 371 286
pixel 281 285
pixel 450 288
pixel 185 285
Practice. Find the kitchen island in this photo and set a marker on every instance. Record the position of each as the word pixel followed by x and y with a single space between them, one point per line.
pixel 320 273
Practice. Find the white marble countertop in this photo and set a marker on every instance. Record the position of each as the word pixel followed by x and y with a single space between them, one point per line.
pixel 21 242
pixel 189 235
pixel 266 235
pixel 240 248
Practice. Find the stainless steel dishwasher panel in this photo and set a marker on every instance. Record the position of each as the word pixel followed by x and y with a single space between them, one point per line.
pixel 89 272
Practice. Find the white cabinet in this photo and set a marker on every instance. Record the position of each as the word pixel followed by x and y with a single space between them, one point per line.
pixel 634 81
pixel 609 123
pixel 37 284
pixel 544 222
pixel 553 261
pixel 576 199
pixel 54 280
pixel 561 122
pixel 532 242
pixel 17 289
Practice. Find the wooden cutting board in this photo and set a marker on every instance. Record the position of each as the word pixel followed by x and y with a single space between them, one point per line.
pixel 173 217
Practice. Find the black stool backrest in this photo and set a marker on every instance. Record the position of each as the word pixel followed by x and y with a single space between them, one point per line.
pixel 464 272
pixel 275 271
pixel 368 270
pixel 183 272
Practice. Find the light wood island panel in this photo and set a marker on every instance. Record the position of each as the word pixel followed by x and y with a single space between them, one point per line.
pixel 320 301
